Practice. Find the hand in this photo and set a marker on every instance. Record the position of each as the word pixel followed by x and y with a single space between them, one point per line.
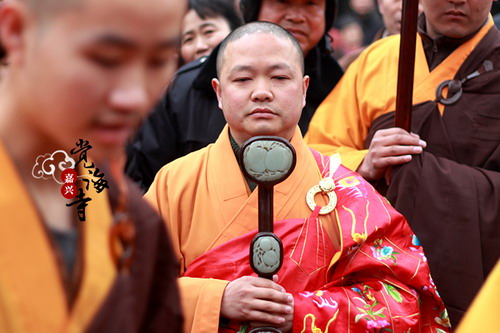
pixel 389 147
pixel 257 300
pixel 285 327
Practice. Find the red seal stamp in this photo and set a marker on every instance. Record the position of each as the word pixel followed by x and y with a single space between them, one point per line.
pixel 68 176
pixel 68 190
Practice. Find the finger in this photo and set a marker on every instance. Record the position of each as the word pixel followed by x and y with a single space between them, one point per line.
pixel 391 131
pixel 266 283
pixel 399 134
pixel 278 309
pixel 392 160
pixel 401 139
pixel 421 142
pixel 393 140
pixel 259 282
pixel 399 150
pixel 272 295
pixel 264 318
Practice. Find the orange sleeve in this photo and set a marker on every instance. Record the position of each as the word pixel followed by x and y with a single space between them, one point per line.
pixel 171 194
pixel 486 306
pixel 201 303
pixel 335 127
pixel 366 91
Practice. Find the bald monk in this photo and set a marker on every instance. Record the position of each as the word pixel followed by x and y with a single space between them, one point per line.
pixel 444 176
pixel 357 268
pixel 80 250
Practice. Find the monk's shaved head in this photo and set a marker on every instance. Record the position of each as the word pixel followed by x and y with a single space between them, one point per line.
pixel 52 4
pixel 258 27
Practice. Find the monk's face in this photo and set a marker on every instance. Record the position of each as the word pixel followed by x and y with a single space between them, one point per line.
pixel 455 18
pixel 261 87
pixel 304 19
pixel 93 71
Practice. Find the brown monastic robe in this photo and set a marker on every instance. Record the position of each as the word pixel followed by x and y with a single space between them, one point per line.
pixel 450 194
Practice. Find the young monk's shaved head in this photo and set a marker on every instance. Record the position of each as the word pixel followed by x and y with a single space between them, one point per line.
pixel 44 8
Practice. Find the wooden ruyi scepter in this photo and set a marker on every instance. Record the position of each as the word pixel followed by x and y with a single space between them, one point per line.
pixel 267 161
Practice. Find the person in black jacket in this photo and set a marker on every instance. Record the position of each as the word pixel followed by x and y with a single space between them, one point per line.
pixel 188 118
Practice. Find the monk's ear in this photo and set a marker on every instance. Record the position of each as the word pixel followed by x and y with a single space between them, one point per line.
pixel 13 26
pixel 216 86
pixel 305 85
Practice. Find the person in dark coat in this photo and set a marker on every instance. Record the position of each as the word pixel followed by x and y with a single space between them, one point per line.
pixel 187 118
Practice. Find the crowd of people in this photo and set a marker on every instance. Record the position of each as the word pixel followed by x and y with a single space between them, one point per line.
pixel 127 205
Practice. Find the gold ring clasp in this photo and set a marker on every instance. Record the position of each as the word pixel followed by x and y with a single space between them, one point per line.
pixel 327 186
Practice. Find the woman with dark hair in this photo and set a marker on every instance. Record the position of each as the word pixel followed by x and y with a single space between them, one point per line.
pixel 205 25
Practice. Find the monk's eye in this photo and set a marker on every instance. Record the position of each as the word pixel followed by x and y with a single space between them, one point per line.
pixel 106 59
pixel 241 79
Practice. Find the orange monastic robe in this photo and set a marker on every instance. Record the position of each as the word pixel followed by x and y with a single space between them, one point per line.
pixel 206 202
pixel 368 90
pixel 482 314
pixel 334 265
pixel 32 295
